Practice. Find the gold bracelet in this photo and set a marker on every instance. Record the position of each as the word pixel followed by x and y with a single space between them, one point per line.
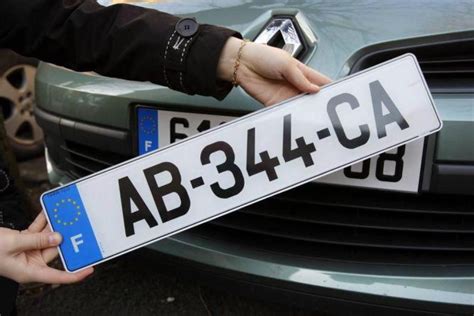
pixel 237 62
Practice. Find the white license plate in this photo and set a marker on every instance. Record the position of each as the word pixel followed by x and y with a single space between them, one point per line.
pixel 398 169
pixel 246 160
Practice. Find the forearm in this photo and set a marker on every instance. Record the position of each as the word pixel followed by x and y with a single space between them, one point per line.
pixel 119 41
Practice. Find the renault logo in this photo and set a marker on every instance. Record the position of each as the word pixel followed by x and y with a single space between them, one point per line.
pixel 281 33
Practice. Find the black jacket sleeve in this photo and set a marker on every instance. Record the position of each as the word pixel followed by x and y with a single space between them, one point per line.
pixel 121 40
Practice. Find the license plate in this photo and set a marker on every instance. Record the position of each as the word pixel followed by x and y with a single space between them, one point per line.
pixel 398 169
pixel 220 170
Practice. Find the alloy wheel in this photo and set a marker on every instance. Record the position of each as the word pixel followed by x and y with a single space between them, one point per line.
pixel 17 101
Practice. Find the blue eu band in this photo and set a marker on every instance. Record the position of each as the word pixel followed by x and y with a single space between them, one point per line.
pixel 147 130
pixel 68 217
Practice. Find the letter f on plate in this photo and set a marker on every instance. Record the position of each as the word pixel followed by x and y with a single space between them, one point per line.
pixel 76 241
pixel 148 144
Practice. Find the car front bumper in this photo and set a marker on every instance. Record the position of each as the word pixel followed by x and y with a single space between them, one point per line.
pixel 320 285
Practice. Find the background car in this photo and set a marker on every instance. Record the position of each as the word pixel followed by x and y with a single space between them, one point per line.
pixel 392 234
pixel 17 103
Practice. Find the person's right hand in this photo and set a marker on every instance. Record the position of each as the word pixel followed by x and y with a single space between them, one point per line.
pixel 268 74
pixel 24 256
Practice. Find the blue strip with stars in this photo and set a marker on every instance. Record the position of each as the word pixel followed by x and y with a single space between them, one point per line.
pixel 147 130
pixel 68 217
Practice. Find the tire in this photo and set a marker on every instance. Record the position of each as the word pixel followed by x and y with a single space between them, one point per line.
pixel 17 102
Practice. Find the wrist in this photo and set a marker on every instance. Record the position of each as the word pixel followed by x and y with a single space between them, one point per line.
pixel 225 66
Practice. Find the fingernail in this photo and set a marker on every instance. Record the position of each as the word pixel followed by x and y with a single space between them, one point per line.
pixel 54 239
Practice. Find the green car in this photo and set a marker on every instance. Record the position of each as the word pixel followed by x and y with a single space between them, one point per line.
pixel 394 233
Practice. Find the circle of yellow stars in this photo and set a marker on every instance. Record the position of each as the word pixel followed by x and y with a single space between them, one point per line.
pixel 153 124
pixel 77 210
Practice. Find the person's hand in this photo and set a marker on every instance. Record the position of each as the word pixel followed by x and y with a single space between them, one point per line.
pixel 268 74
pixel 24 256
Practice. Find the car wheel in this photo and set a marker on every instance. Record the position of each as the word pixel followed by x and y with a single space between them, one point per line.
pixel 17 102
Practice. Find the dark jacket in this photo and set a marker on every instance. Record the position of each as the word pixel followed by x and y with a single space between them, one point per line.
pixel 121 40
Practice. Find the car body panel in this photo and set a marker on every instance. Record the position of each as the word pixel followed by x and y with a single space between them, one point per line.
pixel 429 288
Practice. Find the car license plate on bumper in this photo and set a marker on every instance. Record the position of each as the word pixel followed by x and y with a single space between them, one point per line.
pixel 398 169
pixel 233 165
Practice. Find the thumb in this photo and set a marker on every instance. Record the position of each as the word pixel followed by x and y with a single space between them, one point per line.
pixel 31 241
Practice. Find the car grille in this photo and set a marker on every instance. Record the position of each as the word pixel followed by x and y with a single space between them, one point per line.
pixel 347 224
pixel 83 160
pixel 447 63
pixel 335 223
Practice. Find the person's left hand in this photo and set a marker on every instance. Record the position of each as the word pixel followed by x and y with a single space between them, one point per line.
pixel 24 255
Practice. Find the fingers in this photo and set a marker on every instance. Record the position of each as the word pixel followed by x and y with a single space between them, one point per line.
pixel 296 77
pixel 314 76
pixel 30 241
pixel 52 276
pixel 38 224
pixel 49 254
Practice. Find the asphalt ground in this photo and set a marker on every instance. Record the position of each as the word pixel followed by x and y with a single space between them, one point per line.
pixel 131 284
